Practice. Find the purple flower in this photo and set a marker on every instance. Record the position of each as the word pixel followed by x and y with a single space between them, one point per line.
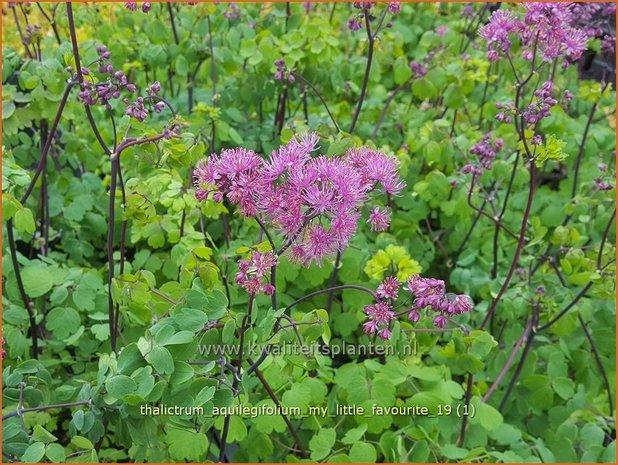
pixel 388 289
pixel 232 12
pixel 381 312
pixel 385 334
pixel 137 110
pixel 132 6
pixel 547 27
pixel 394 7
pixel 608 45
pixel 370 327
pixel 414 316
pixel 146 6
pixel 314 203
pixel 440 321
pixel 355 23
pixel 486 151
pixel 462 304
pixel 252 272
pixel 602 185
pixel 379 219
pixel 431 293
pixel 154 88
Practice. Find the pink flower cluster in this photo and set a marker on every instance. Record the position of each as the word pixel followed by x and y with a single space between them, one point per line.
pixel 356 22
pixel 283 73
pixel 314 203
pixel 252 272
pixel 485 150
pixel 232 12
pixel 132 6
pixel 548 28
pixel 102 90
pixel 537 110
pixel 601 182
pixel 138 109
pixel 431 293
pixel 593 19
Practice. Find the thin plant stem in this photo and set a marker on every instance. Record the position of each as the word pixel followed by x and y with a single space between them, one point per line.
pixel 236 381
pixel 508 363
pixel 529 341
pixel 333 281
pixel 43 408
pixel 361 99
pixel 170 10
pixel 597 358
pixel 319 95
pixel 331 289
pixel 520 245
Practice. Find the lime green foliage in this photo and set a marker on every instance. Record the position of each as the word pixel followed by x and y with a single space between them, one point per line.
pixel 393 261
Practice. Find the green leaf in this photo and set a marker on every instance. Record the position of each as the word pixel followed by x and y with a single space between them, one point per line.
pixel 62 321
pixel 186 445
pixel 362 452
pixel 161 359
pixel 24 221
pixel 129 359
pixel 34 453
pixel 8 108
pixel 81 442
pixel 182 66
pixel 424 89
pixel 120 385
pixel 55 453
pixel 216 304
pixel 401 70
pixel 552 150
pixel 354 434
pixel 40 434
pixel 37 280
pixel 204 395
pixel 563 386
pixel 488 417
pixel 322 443
pixel 190 319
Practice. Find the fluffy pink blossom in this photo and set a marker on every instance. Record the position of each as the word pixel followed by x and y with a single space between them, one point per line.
pixel 312 202
pixel 380 316
pixel 379 219
pixel 252 273
pixel 549 28
pixel 388 289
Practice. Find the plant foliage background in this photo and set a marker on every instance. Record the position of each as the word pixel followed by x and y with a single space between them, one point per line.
pixel 106 305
